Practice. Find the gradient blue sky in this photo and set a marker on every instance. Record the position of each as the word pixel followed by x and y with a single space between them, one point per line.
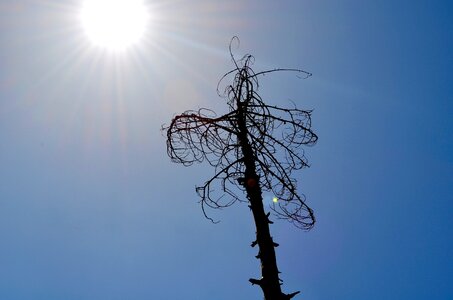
pixel 92 208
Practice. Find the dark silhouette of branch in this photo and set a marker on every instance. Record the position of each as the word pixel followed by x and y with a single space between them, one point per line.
pixel 255 147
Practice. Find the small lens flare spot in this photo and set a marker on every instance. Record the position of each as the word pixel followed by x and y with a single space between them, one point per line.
pixel 275 199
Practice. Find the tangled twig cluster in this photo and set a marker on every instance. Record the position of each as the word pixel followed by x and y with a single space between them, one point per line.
pixel 276 136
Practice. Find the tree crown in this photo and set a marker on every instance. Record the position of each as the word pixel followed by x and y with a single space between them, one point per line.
pixel 275 135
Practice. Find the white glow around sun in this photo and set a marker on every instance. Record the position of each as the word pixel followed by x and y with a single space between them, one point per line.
pixel 114 24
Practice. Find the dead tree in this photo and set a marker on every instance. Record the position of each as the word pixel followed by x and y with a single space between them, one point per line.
pixel 254 147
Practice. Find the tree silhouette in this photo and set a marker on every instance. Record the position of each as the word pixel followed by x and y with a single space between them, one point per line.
pixel 255 147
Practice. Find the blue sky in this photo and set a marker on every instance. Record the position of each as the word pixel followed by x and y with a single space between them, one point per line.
pixel 92 208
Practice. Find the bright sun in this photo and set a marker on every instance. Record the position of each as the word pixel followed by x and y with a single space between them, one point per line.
pixel 114 24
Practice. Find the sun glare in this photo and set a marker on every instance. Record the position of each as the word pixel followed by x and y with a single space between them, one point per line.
pixel 114 24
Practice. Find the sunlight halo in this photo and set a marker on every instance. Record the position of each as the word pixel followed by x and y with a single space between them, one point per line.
pixel 114 24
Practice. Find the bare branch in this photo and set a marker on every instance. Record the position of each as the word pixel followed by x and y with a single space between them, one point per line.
pixel 276 135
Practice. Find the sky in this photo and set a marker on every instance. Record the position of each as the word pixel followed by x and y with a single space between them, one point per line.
pixel 91 207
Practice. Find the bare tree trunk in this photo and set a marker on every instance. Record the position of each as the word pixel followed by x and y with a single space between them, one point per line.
pixel 269 282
